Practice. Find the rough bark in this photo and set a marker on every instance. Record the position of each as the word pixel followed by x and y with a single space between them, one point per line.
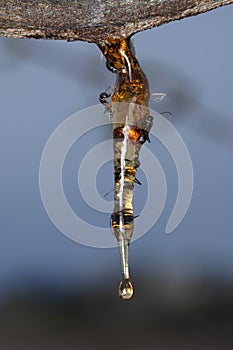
pixel 93 21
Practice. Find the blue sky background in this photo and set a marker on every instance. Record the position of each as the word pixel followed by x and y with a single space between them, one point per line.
pixel 44 82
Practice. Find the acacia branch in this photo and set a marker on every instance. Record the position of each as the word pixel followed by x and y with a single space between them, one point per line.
pixel 93 21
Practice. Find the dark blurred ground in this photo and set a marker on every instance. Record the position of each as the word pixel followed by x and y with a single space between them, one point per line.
pixel 196 315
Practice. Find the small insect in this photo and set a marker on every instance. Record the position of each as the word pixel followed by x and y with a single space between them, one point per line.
pixel 111 68
pixel 144 132
pixel 144 137
pixel 158 96
pixel 149 122
pixel 103 97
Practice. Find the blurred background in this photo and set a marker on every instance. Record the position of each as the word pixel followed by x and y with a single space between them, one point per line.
pixel 55 293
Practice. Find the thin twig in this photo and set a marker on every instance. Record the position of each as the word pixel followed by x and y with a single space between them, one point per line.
pixel 93 21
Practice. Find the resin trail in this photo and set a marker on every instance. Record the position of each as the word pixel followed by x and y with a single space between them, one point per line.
pixel 131 125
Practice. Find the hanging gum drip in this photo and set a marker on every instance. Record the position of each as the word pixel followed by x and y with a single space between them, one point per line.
pixel 131 125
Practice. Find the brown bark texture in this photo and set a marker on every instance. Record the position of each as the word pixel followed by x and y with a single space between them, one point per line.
pixel 93 21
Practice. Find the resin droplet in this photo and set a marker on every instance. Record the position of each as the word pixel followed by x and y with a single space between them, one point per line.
pixel 125 290
pixel 131 119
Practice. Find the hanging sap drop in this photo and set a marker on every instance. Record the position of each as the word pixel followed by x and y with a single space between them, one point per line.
pixel 125 290
pixel 131 119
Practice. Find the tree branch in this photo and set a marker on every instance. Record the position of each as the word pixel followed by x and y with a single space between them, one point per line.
pixel 93 21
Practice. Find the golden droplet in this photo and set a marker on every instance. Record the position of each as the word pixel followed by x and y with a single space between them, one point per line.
pixel 125 290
